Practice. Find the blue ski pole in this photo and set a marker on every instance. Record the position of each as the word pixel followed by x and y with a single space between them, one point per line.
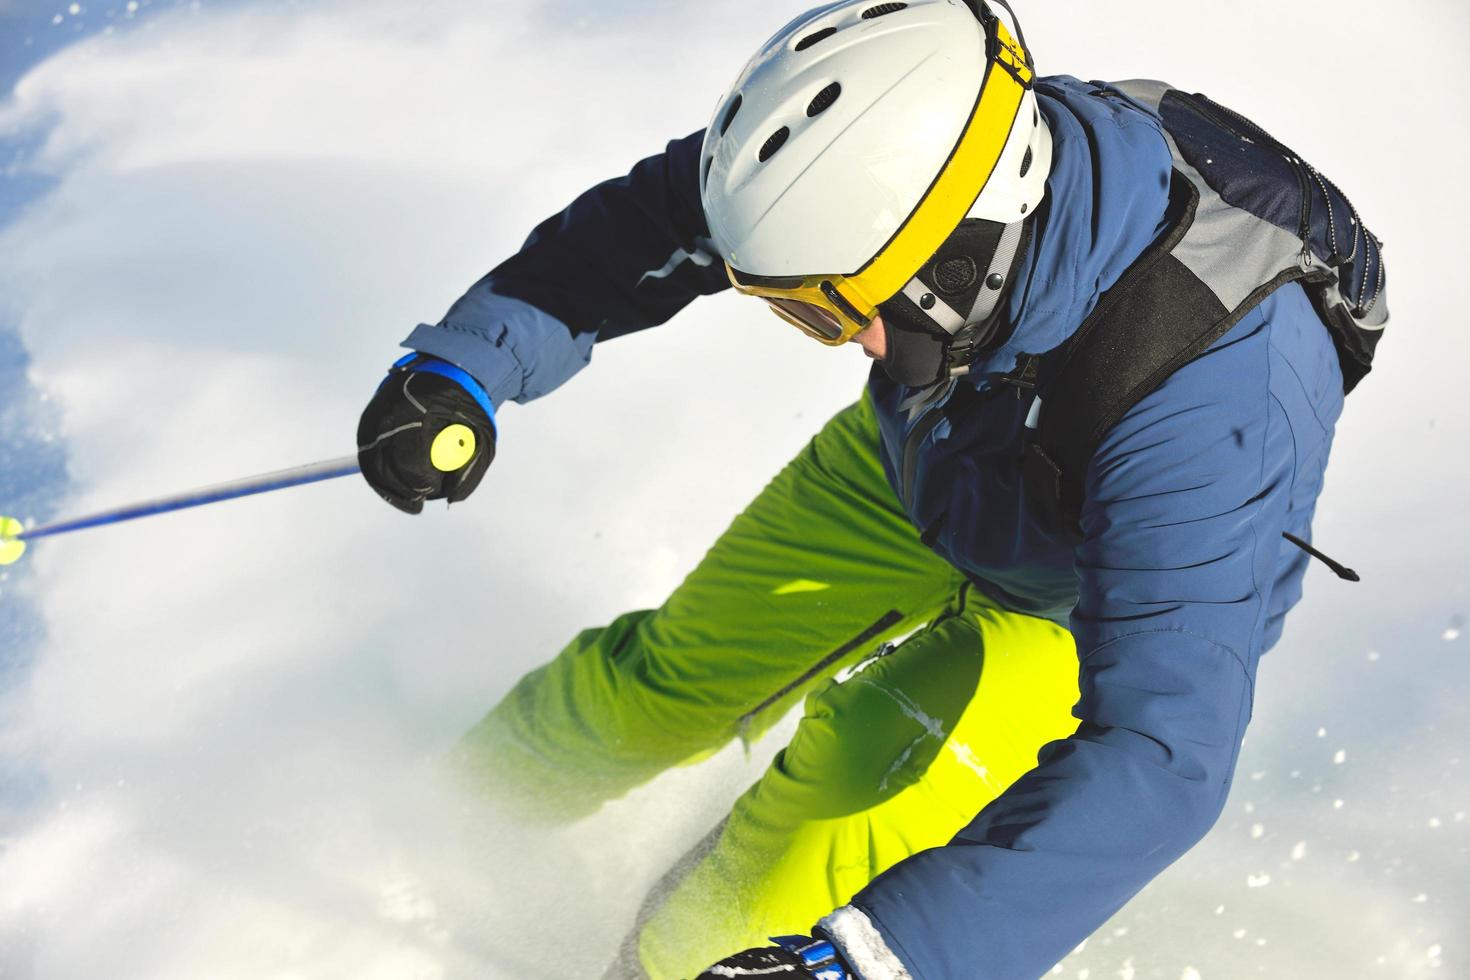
pixel 452 448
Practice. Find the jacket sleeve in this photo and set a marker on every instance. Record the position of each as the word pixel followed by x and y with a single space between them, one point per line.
pixel 1186 501
pixel 627 254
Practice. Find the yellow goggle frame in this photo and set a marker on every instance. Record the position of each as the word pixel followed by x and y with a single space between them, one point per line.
pixel 834 308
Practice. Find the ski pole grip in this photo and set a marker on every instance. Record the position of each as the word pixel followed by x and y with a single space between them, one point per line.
pixel 452 448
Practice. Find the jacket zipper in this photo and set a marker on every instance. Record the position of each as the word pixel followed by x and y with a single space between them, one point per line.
pixel 1022 378
pixel 1214 110
pixel 916 435
pixel 1338 568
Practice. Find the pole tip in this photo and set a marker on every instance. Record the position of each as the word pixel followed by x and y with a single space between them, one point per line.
pixel 10 549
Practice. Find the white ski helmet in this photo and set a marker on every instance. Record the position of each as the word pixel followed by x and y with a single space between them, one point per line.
pixel 854 143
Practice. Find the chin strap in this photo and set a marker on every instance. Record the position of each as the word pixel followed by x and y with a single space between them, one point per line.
pixel 970 332
pixel 979 326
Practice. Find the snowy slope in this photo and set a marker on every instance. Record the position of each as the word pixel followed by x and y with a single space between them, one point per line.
pixel 218 743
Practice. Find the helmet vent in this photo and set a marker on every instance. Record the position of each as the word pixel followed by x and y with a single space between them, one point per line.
pixel 823 99
pixel 813 38
pixel 773 143
pixel 881 9
pixel 730 113
pixel 1026 162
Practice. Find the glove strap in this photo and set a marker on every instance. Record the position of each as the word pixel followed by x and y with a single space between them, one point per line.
pixel 428 364
pixel 817 955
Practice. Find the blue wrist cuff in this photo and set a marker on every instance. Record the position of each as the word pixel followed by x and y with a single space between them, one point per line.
pixel 816 954
pixel 429 364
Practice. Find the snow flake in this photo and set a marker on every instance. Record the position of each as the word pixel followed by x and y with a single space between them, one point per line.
pixel 1373 656
pixel 1435 823
pixel 1190 973
pixel 1219 910
pixel 1299 851
pixel 1434 951
pixel 1257 831
pixel 1321 733
pixel 1238 934
pixel 1258 881
pixel 1451 634
pixel 1126 971
pixel 1419 899
pixel 1337 804
pixel 1339 757
pixel 1353 856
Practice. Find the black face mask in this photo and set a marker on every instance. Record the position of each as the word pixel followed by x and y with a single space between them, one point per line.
pixel 947 288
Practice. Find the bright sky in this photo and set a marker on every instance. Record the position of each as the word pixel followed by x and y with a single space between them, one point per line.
pixel 217 728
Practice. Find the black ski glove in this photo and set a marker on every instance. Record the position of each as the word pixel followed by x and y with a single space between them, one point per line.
pixel 793 958
pixel 421 397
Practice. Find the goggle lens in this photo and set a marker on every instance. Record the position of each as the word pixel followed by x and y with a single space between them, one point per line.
pixel 814 320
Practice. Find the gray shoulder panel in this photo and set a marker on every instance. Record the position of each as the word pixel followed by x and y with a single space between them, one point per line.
pixel 1231 250
pixel 1149 91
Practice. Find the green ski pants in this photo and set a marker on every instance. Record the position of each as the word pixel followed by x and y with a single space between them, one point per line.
pixel 813 577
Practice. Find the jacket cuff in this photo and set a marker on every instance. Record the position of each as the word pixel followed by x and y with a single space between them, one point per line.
pixel 862 946
pixel 514 350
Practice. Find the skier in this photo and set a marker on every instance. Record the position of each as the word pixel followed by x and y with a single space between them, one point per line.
pixel 1084 602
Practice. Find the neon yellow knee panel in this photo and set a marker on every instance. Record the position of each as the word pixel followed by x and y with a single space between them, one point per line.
pixel 895 759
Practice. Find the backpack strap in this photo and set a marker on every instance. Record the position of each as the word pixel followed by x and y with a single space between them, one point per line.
pixel 1245 217
pixel 1156 318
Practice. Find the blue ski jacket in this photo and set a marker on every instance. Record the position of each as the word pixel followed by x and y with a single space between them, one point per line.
pixel 1179 581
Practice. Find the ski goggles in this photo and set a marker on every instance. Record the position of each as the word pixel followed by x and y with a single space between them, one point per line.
pixel 834 308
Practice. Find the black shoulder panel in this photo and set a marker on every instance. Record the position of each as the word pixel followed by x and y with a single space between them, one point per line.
pixel 1156 318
